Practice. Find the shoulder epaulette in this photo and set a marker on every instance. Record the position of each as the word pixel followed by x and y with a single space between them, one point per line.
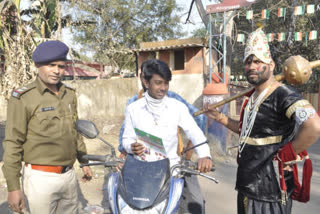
pixel 20 91
pixel 69 86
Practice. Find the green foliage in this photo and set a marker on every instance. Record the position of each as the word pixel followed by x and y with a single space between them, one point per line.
pixel 43 18
pixel 200 33
pixel 290 24
pixel 110 29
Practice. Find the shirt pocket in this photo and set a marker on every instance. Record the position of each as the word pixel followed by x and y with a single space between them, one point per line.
pixel 49 123
pixel 68 123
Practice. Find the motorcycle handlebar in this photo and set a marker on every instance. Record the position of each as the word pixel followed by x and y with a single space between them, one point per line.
pixel 107 164
pixel 95 157
pixel 191 167
pixel 194 165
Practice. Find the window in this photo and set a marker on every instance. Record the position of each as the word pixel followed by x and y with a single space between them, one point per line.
pixel 179 60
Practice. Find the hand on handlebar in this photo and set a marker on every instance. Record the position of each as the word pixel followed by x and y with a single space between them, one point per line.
pixel 87 173
pixel 137 149
pixel 205 164
pixel 122 156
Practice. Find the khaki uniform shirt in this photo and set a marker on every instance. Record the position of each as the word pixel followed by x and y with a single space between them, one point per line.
pixel 40 129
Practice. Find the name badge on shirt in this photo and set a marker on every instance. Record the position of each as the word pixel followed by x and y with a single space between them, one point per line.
pixel 47 109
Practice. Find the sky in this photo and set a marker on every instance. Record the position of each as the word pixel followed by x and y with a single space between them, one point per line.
pixel 194 17
pixel 195 20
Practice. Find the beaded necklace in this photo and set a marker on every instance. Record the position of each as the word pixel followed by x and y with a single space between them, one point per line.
pixel 250 114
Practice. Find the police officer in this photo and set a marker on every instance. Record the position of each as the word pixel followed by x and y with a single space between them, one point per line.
pixel 40 131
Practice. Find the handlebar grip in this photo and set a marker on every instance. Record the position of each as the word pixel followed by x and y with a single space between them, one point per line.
pixel 194 166
pixel 95 157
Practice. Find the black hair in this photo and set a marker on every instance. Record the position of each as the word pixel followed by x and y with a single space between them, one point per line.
pixel 155 66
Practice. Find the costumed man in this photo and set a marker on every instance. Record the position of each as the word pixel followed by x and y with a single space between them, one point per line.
pixel 40 130
pixel 268 132
pixel 159 115
pixel 201 120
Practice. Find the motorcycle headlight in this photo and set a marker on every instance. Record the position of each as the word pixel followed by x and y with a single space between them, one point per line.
pixel 124 208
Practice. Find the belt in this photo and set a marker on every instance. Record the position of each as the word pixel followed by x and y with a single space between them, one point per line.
pixel 55 169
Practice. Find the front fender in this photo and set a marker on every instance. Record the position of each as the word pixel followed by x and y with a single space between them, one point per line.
pixel 113 180
pixel 176 189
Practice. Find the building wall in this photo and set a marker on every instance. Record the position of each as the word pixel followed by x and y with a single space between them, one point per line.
pixel 188 86
pixel 104 98
pixel 194 61
pixel 143 56
pixel 97 98
pixel 188 83
pixel 107 98
pixel 165 56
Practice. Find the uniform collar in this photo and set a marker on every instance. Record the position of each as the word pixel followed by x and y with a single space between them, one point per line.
pixel 42 87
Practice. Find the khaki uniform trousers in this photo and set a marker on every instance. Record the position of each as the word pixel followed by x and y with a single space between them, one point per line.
pixel 50 193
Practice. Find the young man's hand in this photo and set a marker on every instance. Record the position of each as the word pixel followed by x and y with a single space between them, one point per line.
pixel 137 149
pixel 205 164
pixel 123 156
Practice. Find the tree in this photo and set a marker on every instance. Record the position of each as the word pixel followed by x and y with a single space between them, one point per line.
pixel 18 38
pixel 109 30
pixel 14 43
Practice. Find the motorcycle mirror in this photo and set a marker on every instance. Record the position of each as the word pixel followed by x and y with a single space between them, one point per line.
pixel 87 128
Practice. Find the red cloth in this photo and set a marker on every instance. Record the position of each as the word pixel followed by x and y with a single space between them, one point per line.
pixel 306 181
pixel 300 193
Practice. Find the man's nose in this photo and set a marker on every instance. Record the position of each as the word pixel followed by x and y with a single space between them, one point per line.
pixel 250 66
pixel 163 86
pixel 56 69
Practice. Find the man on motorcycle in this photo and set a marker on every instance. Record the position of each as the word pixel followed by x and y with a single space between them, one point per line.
pixel 201 120
pixel 161 116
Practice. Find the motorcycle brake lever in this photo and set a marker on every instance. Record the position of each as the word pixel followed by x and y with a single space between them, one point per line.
pixel 194 172
pixel 209 177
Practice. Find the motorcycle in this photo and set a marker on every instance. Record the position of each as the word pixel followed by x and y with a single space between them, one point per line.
pixel 141 187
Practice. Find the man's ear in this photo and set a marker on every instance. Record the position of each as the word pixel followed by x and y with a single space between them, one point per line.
pixel 145 82
pixel 272 65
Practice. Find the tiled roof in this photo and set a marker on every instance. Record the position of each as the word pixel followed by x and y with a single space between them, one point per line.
pixel 171 44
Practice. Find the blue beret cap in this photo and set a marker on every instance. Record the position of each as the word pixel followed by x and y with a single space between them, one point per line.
pixel 50 51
